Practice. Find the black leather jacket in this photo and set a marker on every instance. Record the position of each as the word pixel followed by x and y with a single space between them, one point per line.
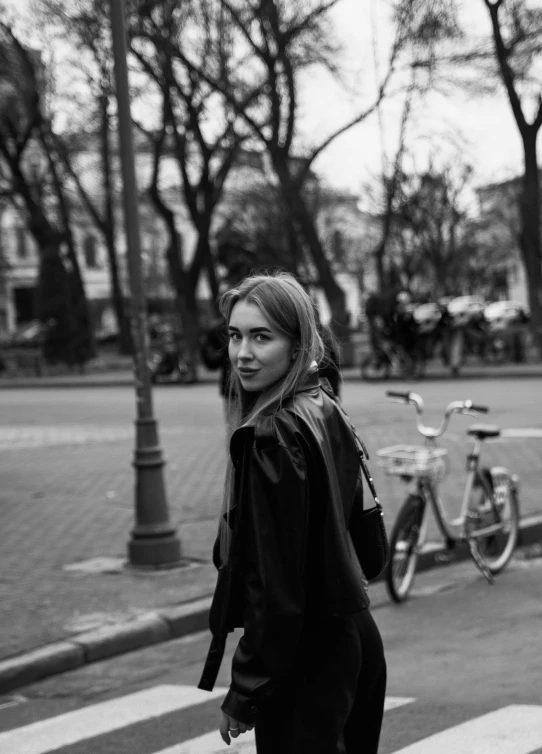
pixel 296 477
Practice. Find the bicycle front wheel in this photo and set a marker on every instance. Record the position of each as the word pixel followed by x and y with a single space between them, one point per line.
pixel 406 366
pixel 493 528
pixel 404 540
pixel 375 367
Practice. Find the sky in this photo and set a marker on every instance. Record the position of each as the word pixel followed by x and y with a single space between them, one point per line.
pixel 484 130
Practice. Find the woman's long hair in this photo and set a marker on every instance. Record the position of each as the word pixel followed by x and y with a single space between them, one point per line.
pixel 288 309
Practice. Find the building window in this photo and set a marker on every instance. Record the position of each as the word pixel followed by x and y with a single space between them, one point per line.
pixel 90 251
pixel 20 240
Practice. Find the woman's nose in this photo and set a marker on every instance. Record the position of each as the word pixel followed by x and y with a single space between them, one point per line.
pixel 244 350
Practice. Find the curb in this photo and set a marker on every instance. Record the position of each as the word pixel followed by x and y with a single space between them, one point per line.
pixel 175 622
pixel 350 374
pixel 105 642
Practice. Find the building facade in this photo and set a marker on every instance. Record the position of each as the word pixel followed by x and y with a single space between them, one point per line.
pixel 498 205
pixel 346 232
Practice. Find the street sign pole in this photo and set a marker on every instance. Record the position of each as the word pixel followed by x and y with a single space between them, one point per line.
pixel 153 540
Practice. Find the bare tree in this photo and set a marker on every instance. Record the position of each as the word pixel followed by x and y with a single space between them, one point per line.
pixel 509 58
pixel 391 183
pixel 517 37
pixel 274 43
pixel 429 241
pixel 254 232
pixel 87 28
pixel 23 126
pixel 199 130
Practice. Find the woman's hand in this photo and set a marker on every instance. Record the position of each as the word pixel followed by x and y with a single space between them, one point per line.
pixel 229 726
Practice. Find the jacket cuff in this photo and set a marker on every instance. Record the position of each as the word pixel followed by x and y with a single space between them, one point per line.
pixel 240 707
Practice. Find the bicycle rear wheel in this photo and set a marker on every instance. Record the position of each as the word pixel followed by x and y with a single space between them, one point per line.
pixel 493 527
pixel 407 365
pixel 404 539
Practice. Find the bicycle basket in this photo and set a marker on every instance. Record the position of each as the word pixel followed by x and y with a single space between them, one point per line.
pixel 413 460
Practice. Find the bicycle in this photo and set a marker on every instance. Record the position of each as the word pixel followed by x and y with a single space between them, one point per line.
pixel 391 358
pixel 489 516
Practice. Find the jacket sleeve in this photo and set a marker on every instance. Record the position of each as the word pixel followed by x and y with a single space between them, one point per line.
pixel 277 503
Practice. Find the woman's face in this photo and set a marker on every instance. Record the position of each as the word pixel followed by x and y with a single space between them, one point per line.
pixel 260 354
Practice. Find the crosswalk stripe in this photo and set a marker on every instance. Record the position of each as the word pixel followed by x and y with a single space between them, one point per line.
pixel 71 727
pixel 211 743
pixel 516 729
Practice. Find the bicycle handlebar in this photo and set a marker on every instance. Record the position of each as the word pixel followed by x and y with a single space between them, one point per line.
pixel 480 409
pixel 457 407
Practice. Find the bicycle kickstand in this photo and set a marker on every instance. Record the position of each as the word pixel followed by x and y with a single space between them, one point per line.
pixel 480 563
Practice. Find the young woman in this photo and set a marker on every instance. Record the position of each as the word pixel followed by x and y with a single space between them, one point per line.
pixel 309 672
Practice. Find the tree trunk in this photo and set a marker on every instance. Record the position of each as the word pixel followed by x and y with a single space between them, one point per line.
pixel 211 276
pixel 530 234
pixel 305 223
pixel 126 344
pixel 185 296
pixel 85 346
pixel 117 295
pixel 54 295
pixel 379 265
pixel 203 258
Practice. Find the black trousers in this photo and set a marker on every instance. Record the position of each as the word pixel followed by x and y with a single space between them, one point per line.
pixel 333 702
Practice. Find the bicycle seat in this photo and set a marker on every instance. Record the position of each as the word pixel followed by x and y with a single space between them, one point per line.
pixel 481 431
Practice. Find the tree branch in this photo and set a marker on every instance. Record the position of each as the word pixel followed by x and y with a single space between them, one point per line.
pixel 241 26
pixel 506 70
pixel 538 118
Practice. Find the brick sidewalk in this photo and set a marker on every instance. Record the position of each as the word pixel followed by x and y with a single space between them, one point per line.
pixel 57 510
pixel 61 508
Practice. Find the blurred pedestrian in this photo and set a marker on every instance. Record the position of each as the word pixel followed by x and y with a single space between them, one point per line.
pixel 309 672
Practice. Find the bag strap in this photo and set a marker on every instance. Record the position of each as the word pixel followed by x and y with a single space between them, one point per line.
pixel 362 450
pixel 363 455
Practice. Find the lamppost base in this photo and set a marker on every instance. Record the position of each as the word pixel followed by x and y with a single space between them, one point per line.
pixel 154 551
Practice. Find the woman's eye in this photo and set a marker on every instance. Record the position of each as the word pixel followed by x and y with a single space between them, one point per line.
pixel 261 337
pixel 234 336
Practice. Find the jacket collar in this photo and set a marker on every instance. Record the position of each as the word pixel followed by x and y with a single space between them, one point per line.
pixel 311 382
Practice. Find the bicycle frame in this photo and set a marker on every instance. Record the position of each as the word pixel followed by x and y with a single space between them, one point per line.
pixel 428 491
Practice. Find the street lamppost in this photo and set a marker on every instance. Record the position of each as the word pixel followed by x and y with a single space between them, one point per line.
pixel 153 539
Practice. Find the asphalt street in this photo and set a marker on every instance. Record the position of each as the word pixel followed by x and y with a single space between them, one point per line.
pixel 464 678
